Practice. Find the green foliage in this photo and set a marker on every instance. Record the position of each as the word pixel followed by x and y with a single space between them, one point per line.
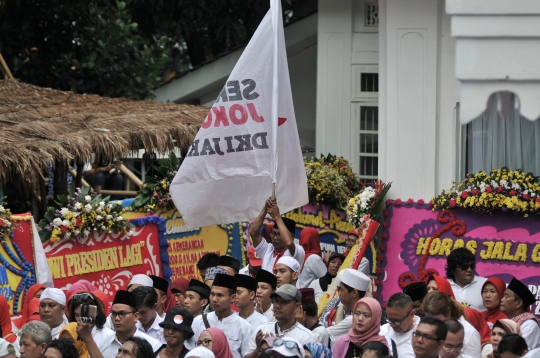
pixel 81 46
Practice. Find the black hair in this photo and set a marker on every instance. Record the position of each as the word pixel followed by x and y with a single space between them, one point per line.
pixel 209 259
pixel 513 343
pixel 498 325
pixel 441 330
pixel 311 309
pixel 399 301
pixel 458 257
pixel 379 347
pixel 361 294
pixel 453 326
pixel 74 303
pixel 141 347
pixel 145 296
pixel 65 346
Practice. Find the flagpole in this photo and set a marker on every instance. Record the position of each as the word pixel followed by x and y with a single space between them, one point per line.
pixel 276 12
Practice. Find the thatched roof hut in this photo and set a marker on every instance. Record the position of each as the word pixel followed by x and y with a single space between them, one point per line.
pixel 40 125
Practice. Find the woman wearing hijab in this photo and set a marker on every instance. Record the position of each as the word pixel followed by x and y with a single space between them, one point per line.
pixel 501 328
pixel 70 332
pixel 313 265
pixel 492 292
pixel 365 328
pixel 215 340
pixel 438 283
pixel 317 350
pixel 5 321
pixel 81 285
pixel 33 292
pixel 320 286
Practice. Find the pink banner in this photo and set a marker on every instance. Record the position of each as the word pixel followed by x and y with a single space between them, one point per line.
pixel 505 245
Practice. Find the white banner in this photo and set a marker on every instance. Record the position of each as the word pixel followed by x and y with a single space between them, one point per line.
pixel 248 140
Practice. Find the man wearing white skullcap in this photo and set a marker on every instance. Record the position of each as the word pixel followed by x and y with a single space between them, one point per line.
pixel 287 270
pixel 352 287
pixel 52 306
pixel 139 280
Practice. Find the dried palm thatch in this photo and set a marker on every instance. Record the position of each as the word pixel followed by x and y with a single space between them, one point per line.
pixel 38 125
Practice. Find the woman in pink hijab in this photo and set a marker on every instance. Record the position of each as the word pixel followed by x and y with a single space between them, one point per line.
pixel 365 328
pixel 215 340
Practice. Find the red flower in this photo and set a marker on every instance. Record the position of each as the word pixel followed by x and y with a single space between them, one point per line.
pixel 382 248
pixel 513 192
pixel 464 194
pixel 500 189
pixel 78 221
pixel 385 212
pixel 526 197
pixel 475 191
pixel 155 195
pixel 374 294
pixel 430 203
pixel 410 201
pixel 420 201
pixel 488 189
pixel 388 201
pixel 385 224
pixel 377 282
pixel 379 271
pixel 64 228
pixel 384 236
pixel 452 203
pixel 380 257
pixel 538 200
pixel 397 202
pixel 2 223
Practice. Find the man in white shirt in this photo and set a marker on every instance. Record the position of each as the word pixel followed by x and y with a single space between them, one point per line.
pixel 161 286
pixel 417 291
pixel 453 344
pixel 197 297
pixel 52 309
pixel 428 338
pixel 245 296
pixel 146 299
pixel 352 287
pixel 320 286
pixel 287 271
pixel 307 316
pixel 287 300
pixel 467 287
pixel 513 346
pixel 254 265
pixel 515 304
pixel 124 315
pixel 266 285
pixel 223 317
pixel 282 237
pixel 401 324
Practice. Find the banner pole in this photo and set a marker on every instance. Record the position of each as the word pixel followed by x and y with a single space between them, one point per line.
pixel 273 190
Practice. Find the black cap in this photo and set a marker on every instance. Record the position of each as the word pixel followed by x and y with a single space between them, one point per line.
pixel 336 255
pixel 226 281
pixel 522 291
pixel 159 283
pixel 416 291
pixel 229 261
pixel 268 277
pixel 246 281
pixel 199 287
pixel 180 319
pixel 125 298
pixel 289 223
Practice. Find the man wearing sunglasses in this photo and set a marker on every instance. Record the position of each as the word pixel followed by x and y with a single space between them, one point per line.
pixel 428 338
pixel 286 347
pixel 124 316
pixel 401 323
pixel 467 287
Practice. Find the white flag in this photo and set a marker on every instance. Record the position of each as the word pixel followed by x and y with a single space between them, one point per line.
pixel 248 141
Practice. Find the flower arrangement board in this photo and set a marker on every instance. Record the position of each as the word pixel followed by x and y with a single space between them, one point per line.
pixel 418 241
pixel 109 260
pixel 17 266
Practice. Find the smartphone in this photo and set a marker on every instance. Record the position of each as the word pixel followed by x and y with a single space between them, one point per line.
pixel 92 311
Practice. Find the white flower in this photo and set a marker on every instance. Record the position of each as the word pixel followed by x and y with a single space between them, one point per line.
pixel 101 204
pixel 76 232
pixel 120 218
pixel 109 206
pixel 78 206
pixel 503 182
pixel 99 217
pixel 103 228
pixel 87 198
pixel 98 210
pixel 64 211
pixel 57 222
pixel 2 209
pixel 66 223
pixel 88 208
pixel 108 217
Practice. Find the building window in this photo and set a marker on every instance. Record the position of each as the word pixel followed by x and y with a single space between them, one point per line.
pixel 369 143
pixel 369 82
pixel 500 138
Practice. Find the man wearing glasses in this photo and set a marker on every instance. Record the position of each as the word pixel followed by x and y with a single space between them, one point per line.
pixel 428 338
pixel 467 287
pixel 124 316
pixel 401 323
pixel 453 344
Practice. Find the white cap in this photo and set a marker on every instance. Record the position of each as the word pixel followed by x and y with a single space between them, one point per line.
pixel 54 294
pixel 355 279
pixel 288 347
pixel 142 280
pixel 290 262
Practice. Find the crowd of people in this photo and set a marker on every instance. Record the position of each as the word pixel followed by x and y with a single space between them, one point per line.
pixel 269 309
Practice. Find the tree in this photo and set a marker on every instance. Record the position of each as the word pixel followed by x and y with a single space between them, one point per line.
pixel 82 46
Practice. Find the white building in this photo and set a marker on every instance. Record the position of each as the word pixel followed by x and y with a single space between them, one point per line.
pixel 385 84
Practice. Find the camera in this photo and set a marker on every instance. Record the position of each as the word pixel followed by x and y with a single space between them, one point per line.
pixel 88 312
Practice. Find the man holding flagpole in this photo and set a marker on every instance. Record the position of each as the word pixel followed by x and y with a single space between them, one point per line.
pixel 282 236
